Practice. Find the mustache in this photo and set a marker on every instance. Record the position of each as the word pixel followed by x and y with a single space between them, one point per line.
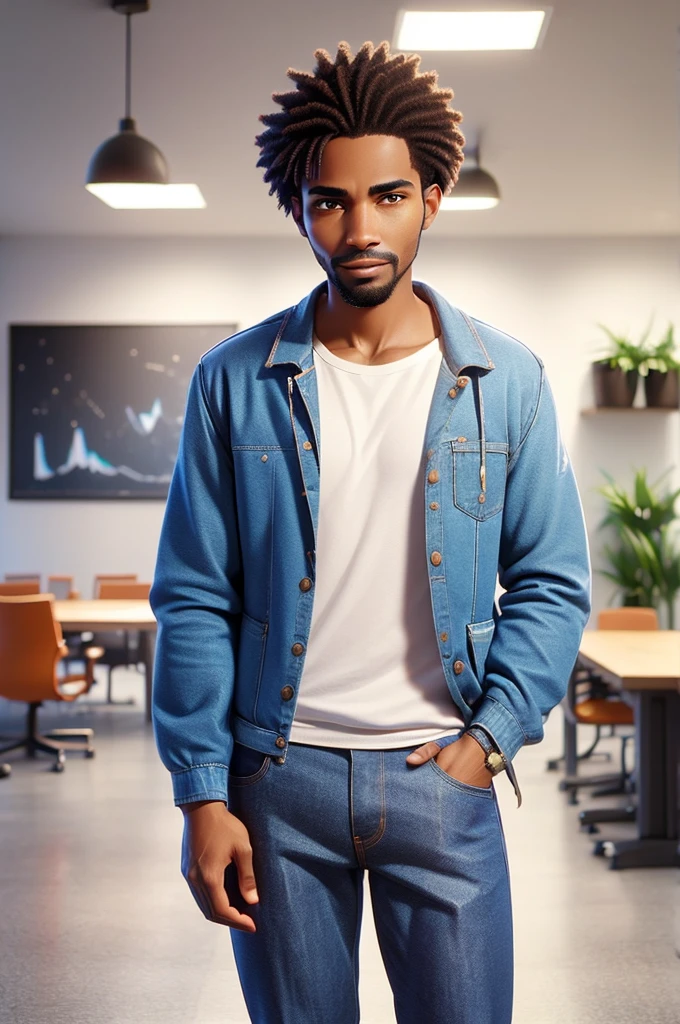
pixel 364 254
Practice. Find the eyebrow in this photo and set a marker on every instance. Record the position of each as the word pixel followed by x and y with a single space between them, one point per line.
pixel 341 193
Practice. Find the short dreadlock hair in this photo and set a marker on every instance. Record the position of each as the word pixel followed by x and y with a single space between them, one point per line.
pixel 374 93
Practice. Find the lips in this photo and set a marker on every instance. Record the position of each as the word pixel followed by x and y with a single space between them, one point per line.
pixel 361 264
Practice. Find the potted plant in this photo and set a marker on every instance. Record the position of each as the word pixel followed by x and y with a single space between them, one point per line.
pixel 645 564
pixel 615 373
pixel 660 371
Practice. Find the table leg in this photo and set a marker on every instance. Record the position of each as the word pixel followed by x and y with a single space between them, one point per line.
pixel 147 651
pixel 657 737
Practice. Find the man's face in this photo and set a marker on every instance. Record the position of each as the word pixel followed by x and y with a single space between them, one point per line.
pixel 364 215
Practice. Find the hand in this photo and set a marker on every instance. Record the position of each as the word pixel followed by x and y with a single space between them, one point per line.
pixel 213 838
pixel 462 760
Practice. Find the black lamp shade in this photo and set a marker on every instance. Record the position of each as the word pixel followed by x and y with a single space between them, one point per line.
pixel 128 157
pixel 476 183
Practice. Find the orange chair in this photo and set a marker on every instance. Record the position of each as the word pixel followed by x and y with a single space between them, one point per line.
pixel 124 591
pixel 31 647
pixel 594 703
pixel 20 588
pixel 113 578
pixel 122 646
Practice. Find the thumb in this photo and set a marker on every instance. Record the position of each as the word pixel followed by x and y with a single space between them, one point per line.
pixel 243 859
pixel 424 753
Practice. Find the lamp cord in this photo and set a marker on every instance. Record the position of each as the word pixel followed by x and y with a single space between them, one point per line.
pixel 128 69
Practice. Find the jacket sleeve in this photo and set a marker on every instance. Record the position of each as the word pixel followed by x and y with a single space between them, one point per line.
pixel 196 597
pixel 544 568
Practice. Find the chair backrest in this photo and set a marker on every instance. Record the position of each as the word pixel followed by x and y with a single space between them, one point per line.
pixel 113 578
pixel 29 648
pixel 21 588
pixel 628 618
pixel 12 577
pixel 60 586
pixel 124 591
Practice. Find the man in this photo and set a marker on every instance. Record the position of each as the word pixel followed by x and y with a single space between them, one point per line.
pixel 335 687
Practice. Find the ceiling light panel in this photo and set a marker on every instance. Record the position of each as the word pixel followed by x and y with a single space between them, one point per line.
pixel 471 30
pixel 126 195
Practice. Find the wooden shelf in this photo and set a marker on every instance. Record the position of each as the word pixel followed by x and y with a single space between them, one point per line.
pixel 627 408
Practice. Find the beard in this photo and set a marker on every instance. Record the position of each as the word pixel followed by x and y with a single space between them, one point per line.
pixel 363 294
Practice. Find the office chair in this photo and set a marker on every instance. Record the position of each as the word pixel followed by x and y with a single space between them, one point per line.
pixel 122 646
pixel 31 647
pixel 602 706
pixel 19 588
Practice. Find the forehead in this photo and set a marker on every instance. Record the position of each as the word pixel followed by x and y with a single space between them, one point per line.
pixel 356 164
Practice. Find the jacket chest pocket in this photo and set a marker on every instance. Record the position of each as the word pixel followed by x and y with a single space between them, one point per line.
pixel 468 493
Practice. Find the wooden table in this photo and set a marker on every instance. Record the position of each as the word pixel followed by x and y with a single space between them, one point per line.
pixel 103 615
pixel 646 666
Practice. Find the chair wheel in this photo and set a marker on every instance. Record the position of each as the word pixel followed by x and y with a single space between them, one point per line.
pixel 89 754
pixel 592 829
pixel 598 848
pixel 60 762
pixel 5 770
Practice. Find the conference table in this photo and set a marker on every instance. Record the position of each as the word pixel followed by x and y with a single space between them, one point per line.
pixel 645 666
pixel 103 616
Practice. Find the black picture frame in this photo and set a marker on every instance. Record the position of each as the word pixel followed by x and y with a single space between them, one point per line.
pixel 96 410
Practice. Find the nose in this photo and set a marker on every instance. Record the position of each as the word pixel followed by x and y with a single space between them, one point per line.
pixel 362 230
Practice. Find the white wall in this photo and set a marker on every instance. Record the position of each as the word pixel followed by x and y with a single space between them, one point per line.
pixel 549 293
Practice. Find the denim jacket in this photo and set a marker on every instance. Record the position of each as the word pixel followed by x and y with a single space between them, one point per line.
pixel 234 583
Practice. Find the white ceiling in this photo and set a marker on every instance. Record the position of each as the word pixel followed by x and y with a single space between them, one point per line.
pixel 581 135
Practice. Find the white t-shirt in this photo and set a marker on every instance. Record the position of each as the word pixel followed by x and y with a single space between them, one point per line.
pixel 373 676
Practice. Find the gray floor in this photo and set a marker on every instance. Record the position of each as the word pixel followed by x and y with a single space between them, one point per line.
pixel 98 925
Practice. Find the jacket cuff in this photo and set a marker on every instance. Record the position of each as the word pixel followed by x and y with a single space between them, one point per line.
pixel 202 782
pixel 504 731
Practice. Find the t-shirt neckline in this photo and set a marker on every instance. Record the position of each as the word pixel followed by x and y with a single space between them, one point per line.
pixel 396 366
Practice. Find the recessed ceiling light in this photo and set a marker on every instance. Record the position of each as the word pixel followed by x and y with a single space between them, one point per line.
pixel 471 30
pixel 134 195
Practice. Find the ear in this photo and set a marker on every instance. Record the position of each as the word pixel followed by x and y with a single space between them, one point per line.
pixel 432 198
pixel 296 213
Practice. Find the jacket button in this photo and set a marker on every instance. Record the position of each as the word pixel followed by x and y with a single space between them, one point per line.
pixel 461 439
pixel 430 453
pixel 481 499
pixel 443 637
pixel 434 505
pixel 307 445
pixel 462 381
pixel 458 667
pixel 453 392
pixel 436 558
pixel 264 458
pixel 433 476
pixel 280 742
pixel 305 584
pixel 298 649
pixel 287 692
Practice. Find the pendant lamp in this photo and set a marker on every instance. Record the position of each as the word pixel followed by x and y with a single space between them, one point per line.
pixel 128 171
pixel 475 189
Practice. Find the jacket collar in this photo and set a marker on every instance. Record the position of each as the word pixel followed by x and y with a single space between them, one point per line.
pixel 463 346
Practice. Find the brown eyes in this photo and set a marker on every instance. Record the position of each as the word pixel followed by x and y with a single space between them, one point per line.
pixel 390 199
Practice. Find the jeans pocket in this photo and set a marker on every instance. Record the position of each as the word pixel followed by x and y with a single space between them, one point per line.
pixel 485 792
pixel 247 765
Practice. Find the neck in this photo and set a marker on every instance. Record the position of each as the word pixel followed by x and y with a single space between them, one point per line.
pixel 404 318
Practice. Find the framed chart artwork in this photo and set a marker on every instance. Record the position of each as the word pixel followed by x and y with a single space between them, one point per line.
pixel 97 412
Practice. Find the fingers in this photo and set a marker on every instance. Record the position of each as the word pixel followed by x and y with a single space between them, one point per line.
pixel 424 753
pixel 243 858
pixel 212 899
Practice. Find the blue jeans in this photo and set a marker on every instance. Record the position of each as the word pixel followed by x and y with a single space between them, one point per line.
pixel 435 854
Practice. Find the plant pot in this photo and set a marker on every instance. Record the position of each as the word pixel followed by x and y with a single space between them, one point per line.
pixel 614 386
pixel 662 390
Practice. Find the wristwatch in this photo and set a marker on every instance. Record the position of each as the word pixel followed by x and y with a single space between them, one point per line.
pixel 495 761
